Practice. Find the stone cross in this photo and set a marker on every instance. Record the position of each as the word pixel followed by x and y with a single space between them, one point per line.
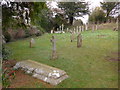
pixel 54 54
pixel 32 42
pixel 79 40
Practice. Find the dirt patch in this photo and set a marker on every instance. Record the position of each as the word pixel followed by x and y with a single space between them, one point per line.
pixel 101 35
pixel 115 56
pixel 21 79
pixel 24 80
pixel 8 63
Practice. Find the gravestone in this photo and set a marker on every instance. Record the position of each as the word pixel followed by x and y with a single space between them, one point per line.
pixel 86 27
pixel 96 27
pixel 32 43
pixel 82 28
pixel 67 29
pixel 93 28
pixel 54 53
pixel 72 37
pixel 79 40
pixel 62 27
pixel 74 30
pixel 3 39
pixel 79 28
pixel 41 71
pixel 51 31
pixel 57 29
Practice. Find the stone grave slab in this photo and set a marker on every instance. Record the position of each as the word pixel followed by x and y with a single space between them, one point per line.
pixel 43 72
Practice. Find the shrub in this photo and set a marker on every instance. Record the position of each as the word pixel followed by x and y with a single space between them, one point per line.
pixel 5 52
pixel 7 37
pixel 7 75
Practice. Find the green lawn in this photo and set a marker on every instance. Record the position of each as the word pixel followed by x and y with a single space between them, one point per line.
pixel 87 66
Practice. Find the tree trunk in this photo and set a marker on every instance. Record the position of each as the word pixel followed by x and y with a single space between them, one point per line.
pixel 71 20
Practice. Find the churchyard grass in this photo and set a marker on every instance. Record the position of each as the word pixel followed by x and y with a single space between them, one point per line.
pixel 87 66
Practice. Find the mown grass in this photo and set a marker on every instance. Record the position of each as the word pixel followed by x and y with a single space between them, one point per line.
pixel 87 66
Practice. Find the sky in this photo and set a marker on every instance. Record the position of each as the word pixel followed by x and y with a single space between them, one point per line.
pixel 93 4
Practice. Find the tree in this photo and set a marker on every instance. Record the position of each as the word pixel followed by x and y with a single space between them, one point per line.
pixel 108 7
pixel 25 14
pixel 97 16
pixel 74 9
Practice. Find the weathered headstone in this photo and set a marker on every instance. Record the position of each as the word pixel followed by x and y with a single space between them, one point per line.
pixel 86 27
pixel 41 71
pixel 82 28
pixel 32 42
pixel 96 27
pixel 79 40
pixel 72 37
pixel 51 31
pixel 74 30
pixel 79 28
pixel 93 28
pixel 67 29
pixel 3 39
pixel 54 53
pixel 62 27
pixel 57 29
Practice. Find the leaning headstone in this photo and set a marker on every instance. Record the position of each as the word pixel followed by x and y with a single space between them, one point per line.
pixel 54 53
pixel 32 43
pixel 79 40
pixel 41 71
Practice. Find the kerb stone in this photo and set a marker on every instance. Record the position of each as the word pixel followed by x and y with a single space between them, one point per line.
pixel 43 72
